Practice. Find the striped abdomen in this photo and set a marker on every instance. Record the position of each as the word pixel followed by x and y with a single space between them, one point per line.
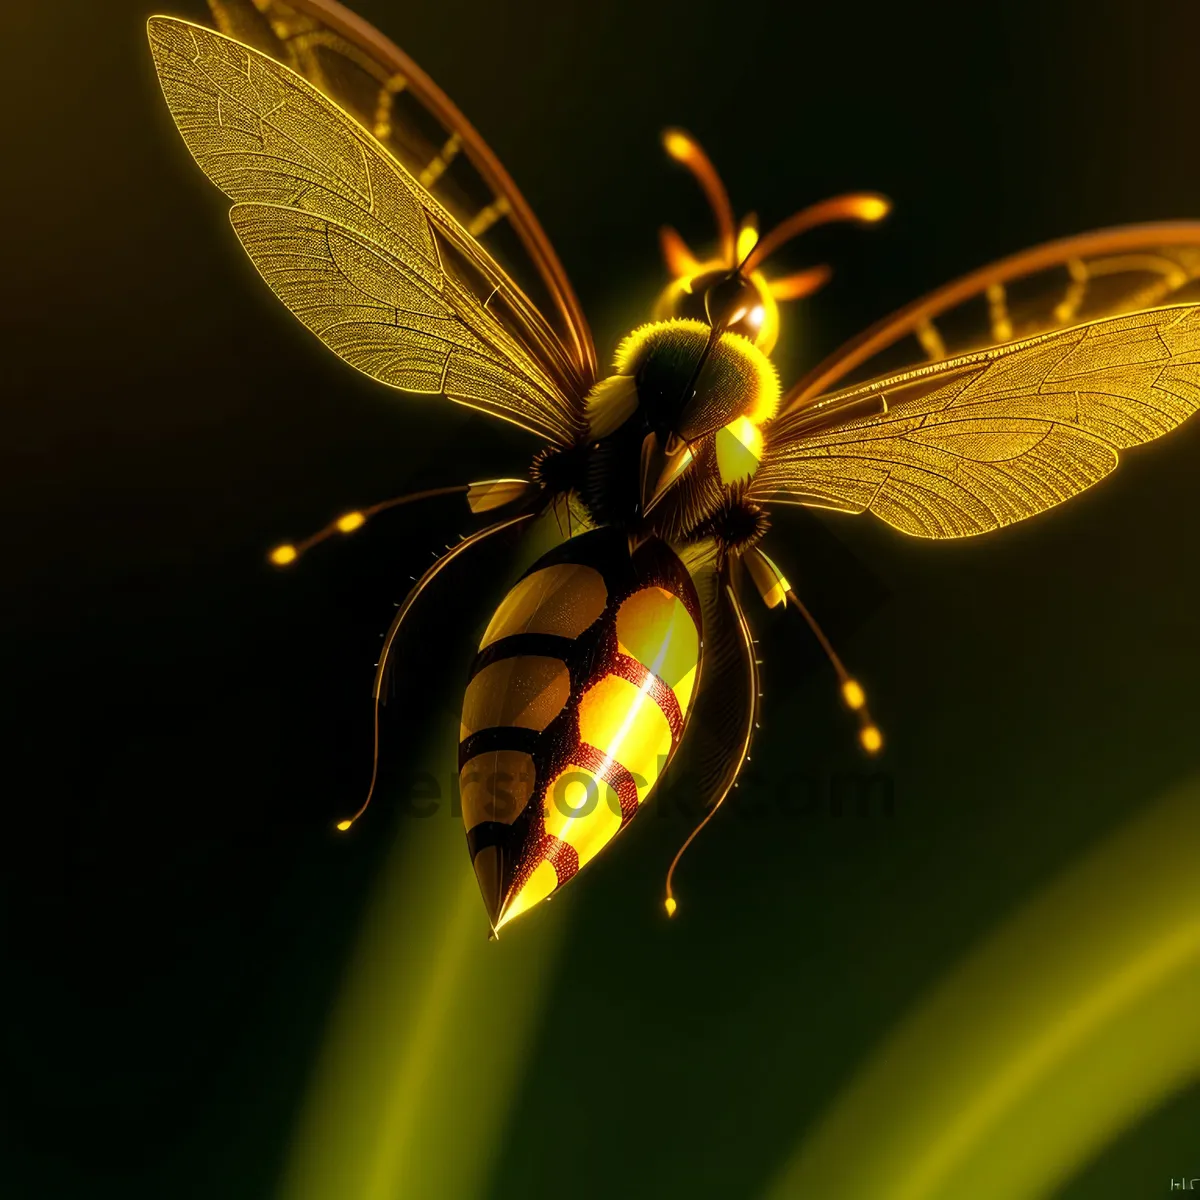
pixel 578 697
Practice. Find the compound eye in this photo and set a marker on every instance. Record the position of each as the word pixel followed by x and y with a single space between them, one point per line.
pixel 730 300
pixel 743 305
pixel 739 306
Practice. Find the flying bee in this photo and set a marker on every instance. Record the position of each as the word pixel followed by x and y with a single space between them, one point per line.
pixel 381 219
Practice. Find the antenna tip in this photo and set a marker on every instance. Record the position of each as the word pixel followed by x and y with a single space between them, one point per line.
pixel 349 522
pixel 871 739
pixel 853 694
pixel 874 208
pixel 677 144
pixel 670 905
pixel 344 825
pixel 281 556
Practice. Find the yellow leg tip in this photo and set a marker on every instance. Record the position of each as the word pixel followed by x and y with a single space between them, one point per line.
pixel 282 555
pixel 670 906
pixel 871 739
pixel 344 825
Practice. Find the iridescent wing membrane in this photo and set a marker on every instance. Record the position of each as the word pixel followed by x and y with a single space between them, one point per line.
pixel 1053 286
pixel 986 437
pixel 982 440
pixel 412 118
pixel 362 254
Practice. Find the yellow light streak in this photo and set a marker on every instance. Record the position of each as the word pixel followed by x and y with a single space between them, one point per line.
pixel 430 1034
pixel 1065 1027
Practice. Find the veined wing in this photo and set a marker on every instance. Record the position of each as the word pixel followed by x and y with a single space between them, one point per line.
pixel 387 93
pixel 1053 286
pixel 978 442
pixel 353 244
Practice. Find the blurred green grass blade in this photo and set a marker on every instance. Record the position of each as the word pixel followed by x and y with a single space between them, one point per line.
pixel 1071 1022
pixel 415 1086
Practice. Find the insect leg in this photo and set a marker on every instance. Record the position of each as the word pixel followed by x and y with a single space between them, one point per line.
pixel 869 736
pixel 482 497
pixel 455 552
pixel 774 589
pixel 727 706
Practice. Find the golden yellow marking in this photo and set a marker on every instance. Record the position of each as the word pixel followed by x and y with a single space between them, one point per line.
pixel 528 692
pixel 582 810
pixel 739 451
pixel 853 694
pixel 931 340
pixel 871 739
pixel 496 493
pixel 627 727
pixel 765 337
pixel 770 581
pixel 997 298
pixel 655 627
pixel 344 825
pixel 670 905
pixel 563 599
pixel 388 90
pixel 281 556
pixel 496 786
pixel 537 887
pixel 610 403
pixel 349 522
pixel 486 217
pixel 436 167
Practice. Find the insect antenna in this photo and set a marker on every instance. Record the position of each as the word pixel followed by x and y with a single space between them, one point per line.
pixel 381 667
pixel 869 736
pixel 866 207
pixel 684 148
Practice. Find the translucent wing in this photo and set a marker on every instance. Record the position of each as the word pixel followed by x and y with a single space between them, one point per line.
pixel 353 244
pixel 388 94
pixel 977 442
pixel 1054 286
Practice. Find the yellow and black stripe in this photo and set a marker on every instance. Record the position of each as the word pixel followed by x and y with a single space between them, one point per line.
pixel 578 697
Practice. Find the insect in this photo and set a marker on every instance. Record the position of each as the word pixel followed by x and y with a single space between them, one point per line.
pixel 381 219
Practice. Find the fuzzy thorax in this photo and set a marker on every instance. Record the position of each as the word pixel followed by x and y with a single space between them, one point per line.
pixel 653 367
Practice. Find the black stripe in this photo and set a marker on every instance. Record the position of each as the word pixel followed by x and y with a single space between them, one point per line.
pixel 488 833
pixel 544 645
pixel 498 737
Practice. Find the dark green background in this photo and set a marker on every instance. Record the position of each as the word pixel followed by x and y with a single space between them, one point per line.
pixel 182 724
